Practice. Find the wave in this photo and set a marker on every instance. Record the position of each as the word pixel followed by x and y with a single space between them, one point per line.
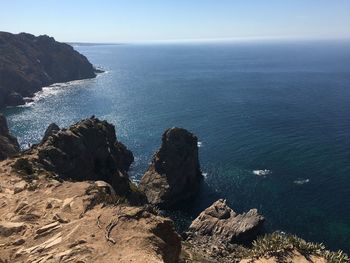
pixel 52 90
pixel 105 71
pixel 262 172
pixel 302 181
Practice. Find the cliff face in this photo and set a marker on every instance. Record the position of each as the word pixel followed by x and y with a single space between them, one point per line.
pixel 174 176
pixel 28 63
pixel 45 220
pixel 83 219
pixel 8 144
pixel 56 208
pixel 87 150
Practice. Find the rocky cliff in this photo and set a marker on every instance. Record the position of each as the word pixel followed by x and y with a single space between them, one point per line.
pixel 174 175
pixel 28 63
pixel 56 208
pixel 87 150
pixel 46 220
pixel 8 144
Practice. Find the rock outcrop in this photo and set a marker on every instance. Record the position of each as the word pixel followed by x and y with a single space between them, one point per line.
pixel 223 225
pixel 53 221
pixel 174 174
pixel 51 130
pixel 47 219
pixel 87 150
pixel 28 63
pixel 8 144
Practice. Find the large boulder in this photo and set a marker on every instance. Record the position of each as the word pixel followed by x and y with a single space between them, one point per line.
pixel 223 225
pixel 8 144
pixel 174 175
pixel 87 150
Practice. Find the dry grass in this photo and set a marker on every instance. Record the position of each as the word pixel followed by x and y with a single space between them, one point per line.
pixel 279 245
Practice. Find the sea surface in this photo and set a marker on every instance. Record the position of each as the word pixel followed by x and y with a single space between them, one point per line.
pixel 272 118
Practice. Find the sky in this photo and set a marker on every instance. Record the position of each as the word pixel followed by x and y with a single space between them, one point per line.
pixel 115 21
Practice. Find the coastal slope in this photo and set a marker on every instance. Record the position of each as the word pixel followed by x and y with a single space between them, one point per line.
pixel 28 63
pixel 69 199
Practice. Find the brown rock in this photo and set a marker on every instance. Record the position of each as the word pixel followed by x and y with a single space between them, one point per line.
pixel 19 242
pixel 60 219
pixel 87 150
pixel 10 228
pixel 105 187
pixel 47 229
pixel 20 186
pixel 53 203
pixel 223 225
pixel 174 175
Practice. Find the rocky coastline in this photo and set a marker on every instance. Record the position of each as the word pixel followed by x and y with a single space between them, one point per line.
pixel 28 63
pixel 69 199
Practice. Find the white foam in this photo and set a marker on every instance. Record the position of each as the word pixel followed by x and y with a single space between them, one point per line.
pixel 302 181
pixel 53 90
pixel 101 73
pixel 27 104
pixel 199 144
pixel 205 175
pixel 262 172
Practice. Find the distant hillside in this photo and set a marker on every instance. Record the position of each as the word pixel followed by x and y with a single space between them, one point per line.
pixel 28 63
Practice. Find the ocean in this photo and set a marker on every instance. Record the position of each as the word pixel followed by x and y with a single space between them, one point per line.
pixel 272 118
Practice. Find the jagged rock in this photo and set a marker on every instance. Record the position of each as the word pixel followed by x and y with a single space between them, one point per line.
pixel 105 187
pixel 10 228
pixel 4 130
pixel 87 150
pixel 34 62
pixel 20 186
pixel 124 157
pixel 55 240
pixel 53 203
pixel 174 174
pixel 18 242
pixel 51 130
pixel 8 144
pixel 223 225
pixel 47 229
pixel 22 207
pixel 67 204
pixel 60 219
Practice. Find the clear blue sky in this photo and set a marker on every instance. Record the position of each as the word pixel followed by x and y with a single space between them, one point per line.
pixel 140 20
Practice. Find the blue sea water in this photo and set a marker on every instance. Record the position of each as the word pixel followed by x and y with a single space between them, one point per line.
pixel 272 118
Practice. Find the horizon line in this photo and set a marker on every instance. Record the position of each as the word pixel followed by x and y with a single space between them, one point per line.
pixel 199 40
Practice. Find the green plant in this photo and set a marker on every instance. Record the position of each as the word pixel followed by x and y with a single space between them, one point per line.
pixel 336 257
pixel 279 245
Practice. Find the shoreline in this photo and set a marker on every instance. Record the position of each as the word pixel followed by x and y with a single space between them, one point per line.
pixel 46 91
pixel 218 234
